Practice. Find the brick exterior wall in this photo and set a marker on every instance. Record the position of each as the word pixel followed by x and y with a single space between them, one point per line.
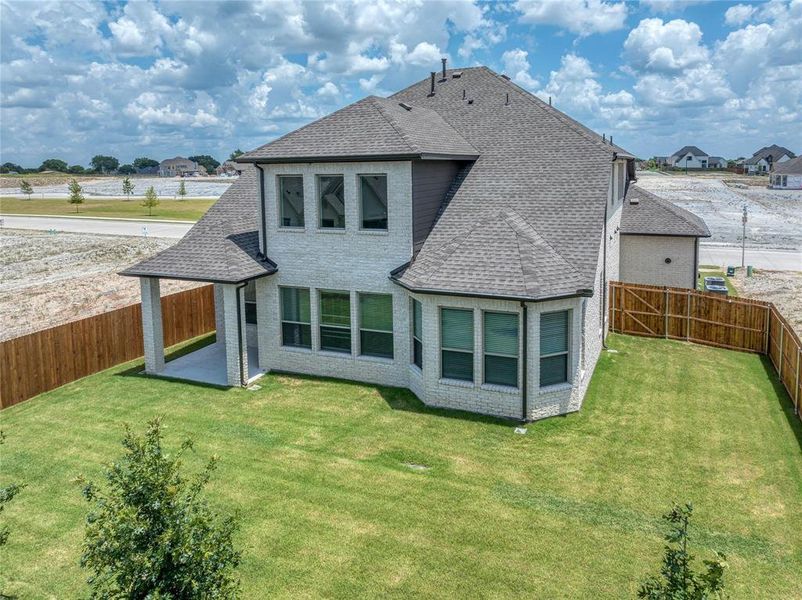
pixel 643 260
pixel 152 332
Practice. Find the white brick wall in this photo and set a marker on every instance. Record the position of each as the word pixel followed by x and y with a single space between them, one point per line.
pixel 643 260
pixel 152 332
pixel 231 296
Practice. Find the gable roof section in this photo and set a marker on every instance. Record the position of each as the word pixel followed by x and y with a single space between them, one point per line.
pixel 688 150
pixel 222 247
pixel 789 167
pixel 372 128
pixel 774 151
pixel 527 220
pixel 645 213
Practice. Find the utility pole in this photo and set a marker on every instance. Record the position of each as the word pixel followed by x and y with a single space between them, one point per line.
pixel 743 239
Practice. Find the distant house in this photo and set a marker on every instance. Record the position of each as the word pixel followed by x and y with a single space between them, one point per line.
pixel 179 167
pixel 716 162
pixel 229 168
pixel 660 161
pixel 787 175
pixel 147 171
pixel 764 159
pixel 689 157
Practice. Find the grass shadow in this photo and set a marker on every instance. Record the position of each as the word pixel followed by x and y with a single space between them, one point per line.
pixel 787 404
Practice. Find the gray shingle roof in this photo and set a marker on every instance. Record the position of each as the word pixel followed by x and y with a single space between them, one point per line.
pixel 789 167
pixel 222 247
pixel 527 219
pixel 372 127
pixel 774 151
pixel 688 150
pixel 645 213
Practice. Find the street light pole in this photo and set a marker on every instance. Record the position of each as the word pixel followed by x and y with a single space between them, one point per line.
pixel 743 239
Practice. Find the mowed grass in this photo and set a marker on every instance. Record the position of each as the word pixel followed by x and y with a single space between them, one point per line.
pixel 318 470
pixel 190 209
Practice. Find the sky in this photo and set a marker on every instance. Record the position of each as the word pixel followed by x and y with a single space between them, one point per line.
pixel 168 78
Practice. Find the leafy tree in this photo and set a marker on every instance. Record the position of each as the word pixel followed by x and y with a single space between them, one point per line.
pixel 7 167
pixel 54 164
pixel 76 169
pixel 105 164
pixel 677 580
pixel 143 162
pixel 206 161
pixel 150 200
pixel 182 190
pixel 126 169
pixel 235 154
pixel 76 194
pixel 26 188
pixel 151 534
pixel 128 188
pixel 7 494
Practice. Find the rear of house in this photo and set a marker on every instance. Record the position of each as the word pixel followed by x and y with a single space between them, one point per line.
pixel 423 241
pixel 787 175
pixel 689 157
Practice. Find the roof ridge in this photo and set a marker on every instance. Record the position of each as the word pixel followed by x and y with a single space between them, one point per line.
pixel 393 123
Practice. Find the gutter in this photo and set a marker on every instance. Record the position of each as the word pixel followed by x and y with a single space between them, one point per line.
pixel 356 158
pixel 200 279
pixel 583 293
pixel 243 381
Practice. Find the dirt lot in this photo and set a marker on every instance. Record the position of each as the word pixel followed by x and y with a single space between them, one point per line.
pixel 55 186
pixel 775 216
pixel 48 279
pixel 784 288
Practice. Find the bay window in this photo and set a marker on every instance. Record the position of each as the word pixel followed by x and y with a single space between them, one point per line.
pixel 376 325
pixel 417 334
pixel 456 344
pixel 501 348
pixel 555 345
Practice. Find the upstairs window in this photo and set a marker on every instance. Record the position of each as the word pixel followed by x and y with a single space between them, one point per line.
pixel 456 344
pixel 373 201
pixel 291 200
pixel 501 348
pixel 296 321
pixel 376 325
pixel 417 334
pixel 554 347
pixel 331 201
pixel 335 322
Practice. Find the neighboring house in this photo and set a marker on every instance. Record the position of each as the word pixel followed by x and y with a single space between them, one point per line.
pixel 661 161
pixel 424 241
pixel 787 175
pixel 716 162
pixel 689 157
pixel 147 171
pixel 765 159
pixel 659 241
pixel 179 167
pixel 229 168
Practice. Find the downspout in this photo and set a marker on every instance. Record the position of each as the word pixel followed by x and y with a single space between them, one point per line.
pixel 525 370
pixel 262 216
pixel 604 258
pixel 239 288
pixel 695 263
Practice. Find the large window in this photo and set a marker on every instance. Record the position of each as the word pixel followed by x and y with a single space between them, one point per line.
pixel 501 348
pixel 373 201
pixel 335 321
pixel 417 334
pixel 456 344
pixel 250 303
pixel 291 200
pixel 554 347
pixel 376 325
pixel 331 201
pixel 296 327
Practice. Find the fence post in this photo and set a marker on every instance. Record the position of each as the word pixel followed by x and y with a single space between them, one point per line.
pixel 796 389
pixel 665 308
pixel 688 319
pixel 612 309
pixel 782 352
pixel 768 329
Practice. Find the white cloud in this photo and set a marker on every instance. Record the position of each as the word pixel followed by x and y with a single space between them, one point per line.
pixel 657 46
pixel 672 6
pixel 140 30
pixel 738 14
pixel 699 86
pixel 328 92
pixel 516 65
pixel 424 54
pixel 583 17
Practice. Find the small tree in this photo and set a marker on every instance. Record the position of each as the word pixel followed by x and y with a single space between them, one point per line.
pixel 677 580
pixel 235 154
pixel 151 534
pixel 128 188
pixel 7 494
pixel 54 164
pixel 150 200
pixel 126 169
pixel 76 194
pixel 26 188
pixel 182 190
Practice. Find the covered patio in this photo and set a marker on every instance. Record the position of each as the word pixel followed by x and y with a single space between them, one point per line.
pixel 208 365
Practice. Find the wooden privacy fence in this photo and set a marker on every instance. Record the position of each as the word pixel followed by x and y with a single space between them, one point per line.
pixel 713 320
pixel 44 360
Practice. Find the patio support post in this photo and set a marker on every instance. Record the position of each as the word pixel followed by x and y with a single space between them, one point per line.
pixel 152 333
pixel 219 315
pixel 235 335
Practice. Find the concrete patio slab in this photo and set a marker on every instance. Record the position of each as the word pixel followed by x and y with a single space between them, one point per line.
pixel 208 365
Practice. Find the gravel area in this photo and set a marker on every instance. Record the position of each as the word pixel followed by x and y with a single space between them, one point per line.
pixel 200 187
pixel 775 216
pixel 783 288
pixel 49 279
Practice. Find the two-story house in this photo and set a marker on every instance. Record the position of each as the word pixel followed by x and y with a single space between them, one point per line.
pixel 455 239
pixel 765 159
pixel 689 157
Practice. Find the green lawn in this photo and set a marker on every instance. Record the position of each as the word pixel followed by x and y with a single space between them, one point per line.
pixel 714 271
pixel 191 209
pixel 316 469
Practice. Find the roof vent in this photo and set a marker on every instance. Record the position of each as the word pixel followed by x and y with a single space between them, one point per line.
pixel 456 74
pixel 507 103
pixel 507 77
pixel 470 101
pixel 444 67
pixel 405 106
pixel 634 200
pixel 431 91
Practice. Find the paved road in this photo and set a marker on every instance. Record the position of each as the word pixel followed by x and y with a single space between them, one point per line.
pixel 777 260
pixel 102 226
